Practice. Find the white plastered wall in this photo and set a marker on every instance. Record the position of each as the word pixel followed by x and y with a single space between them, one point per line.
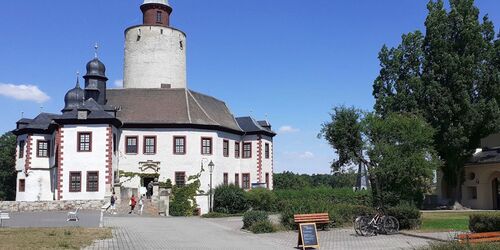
pixel 154 55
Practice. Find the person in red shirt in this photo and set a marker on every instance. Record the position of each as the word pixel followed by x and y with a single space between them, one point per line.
pixel 132 203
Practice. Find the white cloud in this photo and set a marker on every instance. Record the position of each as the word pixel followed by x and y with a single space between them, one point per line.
pixel 288 129
pixel 299 155
pixel 119 83
pixel 23 92
pixel 306 155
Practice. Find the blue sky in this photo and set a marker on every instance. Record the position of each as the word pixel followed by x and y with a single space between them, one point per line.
pixel 291 61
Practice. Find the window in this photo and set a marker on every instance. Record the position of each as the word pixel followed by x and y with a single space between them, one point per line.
pixel 206 146
pixel 267 181
pixel 226 179
pixel 158 16
pixel 237 180
pixel 114 143
pixel 84 142
pixel 131 144
pixel 179 145
pixel 21 148
pixel 237 149
pixel 42 149
pixel 92 181
pixel 225 147
pixel 247 150
pixel 150 145
pixel 245 181
pixel 22 185
pixel 180 179
pixel 75 181
pixel 266 148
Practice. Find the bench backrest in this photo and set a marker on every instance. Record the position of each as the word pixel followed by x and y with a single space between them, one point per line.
pixel 304 218
pixel 478 235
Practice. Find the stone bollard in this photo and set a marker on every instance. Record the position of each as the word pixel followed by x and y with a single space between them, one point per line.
pixel 118 190
pixel 156 192
pixel 164 202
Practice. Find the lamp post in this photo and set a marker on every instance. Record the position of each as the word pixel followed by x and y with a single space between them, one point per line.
pixel 211 166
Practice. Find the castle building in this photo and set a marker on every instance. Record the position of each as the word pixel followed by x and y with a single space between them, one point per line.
pixel 153 128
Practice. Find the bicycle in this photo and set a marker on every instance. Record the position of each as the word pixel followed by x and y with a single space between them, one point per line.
pixel 380 223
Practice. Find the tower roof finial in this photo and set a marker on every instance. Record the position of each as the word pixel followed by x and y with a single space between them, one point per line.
pixel 96 47
pixel 77 79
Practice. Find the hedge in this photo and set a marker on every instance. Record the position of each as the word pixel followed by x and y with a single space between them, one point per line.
pixel 341 214
pixel 262 199
pixel 332 195
pixel 409 216
pixel 479 223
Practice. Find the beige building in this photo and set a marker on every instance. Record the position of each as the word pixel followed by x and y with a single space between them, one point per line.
pixel 481 188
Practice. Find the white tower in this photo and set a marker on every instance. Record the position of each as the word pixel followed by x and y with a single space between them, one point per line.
pixel 155 53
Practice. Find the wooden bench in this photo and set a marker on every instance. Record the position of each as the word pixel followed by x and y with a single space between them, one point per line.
pixel 322 219
pixel 3 216
pixel 474 238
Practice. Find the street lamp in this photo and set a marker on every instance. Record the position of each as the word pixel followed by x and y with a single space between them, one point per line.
pixel 211 166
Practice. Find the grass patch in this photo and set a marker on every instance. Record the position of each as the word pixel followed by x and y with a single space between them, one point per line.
pixel 220 215
pixel 446 221
pixel 51 238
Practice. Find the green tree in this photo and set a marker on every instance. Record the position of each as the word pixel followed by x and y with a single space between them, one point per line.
pixel 7 166
pixel 396 149
pixel 451 77
pixel 289 180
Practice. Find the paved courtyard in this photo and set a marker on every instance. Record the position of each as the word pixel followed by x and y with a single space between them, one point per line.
pixel 89 219
pixel 133 232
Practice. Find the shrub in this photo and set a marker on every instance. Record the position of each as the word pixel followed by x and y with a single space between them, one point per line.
pixel 183 202
pixel 408 215
pixel 262 227
pixel 341 214
pixel 230 199
pixel 489 222
pixel 262 199
pixel 167 184
pixel 252 217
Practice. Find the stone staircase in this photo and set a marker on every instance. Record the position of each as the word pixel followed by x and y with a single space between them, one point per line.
pixel 150 208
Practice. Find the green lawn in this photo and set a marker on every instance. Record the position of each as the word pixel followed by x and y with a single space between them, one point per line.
pixel 51 238
pixel 446 221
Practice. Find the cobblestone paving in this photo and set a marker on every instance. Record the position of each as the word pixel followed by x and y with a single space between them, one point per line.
pixel 197 233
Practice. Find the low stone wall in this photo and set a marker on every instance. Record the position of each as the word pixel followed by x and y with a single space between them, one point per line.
pixel 27 206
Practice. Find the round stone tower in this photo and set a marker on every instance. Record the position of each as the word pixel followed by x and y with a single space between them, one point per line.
pixel 155 53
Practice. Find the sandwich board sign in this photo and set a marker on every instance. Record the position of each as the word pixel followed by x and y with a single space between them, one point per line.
pixel 308 236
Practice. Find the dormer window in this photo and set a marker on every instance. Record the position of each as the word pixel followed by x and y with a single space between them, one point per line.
pixel 82 114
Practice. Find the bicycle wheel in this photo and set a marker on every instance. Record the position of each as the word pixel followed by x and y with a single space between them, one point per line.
pixel 357 226
pixel 365 227
pixel 390 225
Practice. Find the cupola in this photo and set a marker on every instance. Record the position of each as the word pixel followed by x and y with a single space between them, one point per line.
pixel 74 98
pixel 156 12
pixel 95 80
